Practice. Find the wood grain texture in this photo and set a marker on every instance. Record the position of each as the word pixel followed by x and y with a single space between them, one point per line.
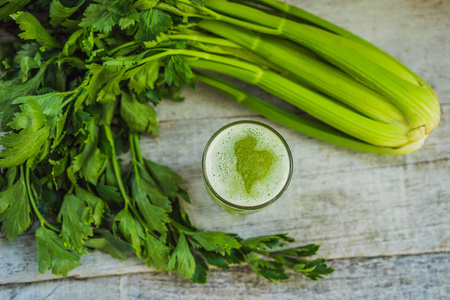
pixel 410 277
pixel 354 204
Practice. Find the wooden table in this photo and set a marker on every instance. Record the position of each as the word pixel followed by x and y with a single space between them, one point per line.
pixel 383 221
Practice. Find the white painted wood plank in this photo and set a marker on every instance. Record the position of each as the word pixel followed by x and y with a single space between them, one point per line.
pixel 102 288
pixel 410 277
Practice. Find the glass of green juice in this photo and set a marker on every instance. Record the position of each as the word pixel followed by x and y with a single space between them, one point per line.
pixel 247 166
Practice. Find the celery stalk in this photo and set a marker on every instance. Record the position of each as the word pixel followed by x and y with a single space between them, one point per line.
pixel 288 28
pixel 321 76
pixel 389 78
pixel 347 82
pixel 302 16
pixel 319 106
pixel 296 122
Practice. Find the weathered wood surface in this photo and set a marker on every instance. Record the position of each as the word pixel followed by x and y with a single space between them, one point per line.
pixel 404 277
pixel 354 204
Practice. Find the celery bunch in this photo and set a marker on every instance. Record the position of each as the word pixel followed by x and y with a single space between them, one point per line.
pixel 78 88
pixel 366 99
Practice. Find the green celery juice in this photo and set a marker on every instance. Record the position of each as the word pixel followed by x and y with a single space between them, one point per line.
pixel 246 166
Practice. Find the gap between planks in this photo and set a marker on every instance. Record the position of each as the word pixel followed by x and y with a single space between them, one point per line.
pixel 244 268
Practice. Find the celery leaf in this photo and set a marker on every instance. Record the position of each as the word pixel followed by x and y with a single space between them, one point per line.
pixel 264 242
pixel 75 218
pixel 15 211
pixel 155 216
pixel 201 270
pixel 90 161
pixel 140 117
pixel 11 7
pixel 25 145
pixel 219 242
pixel 156 253
pixel 182 259
pixel 98 17
pixel 50 104
pixel 153 23
pixel 95 203
pixel 110 244
pixel 165 177
pixel 52 254
pixel 33 30
pixel 59 13
pixel 130 229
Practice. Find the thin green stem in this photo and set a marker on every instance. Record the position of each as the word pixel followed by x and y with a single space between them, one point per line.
pixel 70 99
pixel 111 52
pixel 204 39
pixel 134 157
pixel 211 14
pixel 176 11
pixel 153 57
pixel 72 186
pixel 265 253
pixel 67 101
pixel 132 149
pixel 180 227
pixel 138 178
pixel 43 221
pixel 171 236
pixel 303 15
pixel 137 158
pixel 116 167
pixel 200 54
pixel 175 233
pixel 137 147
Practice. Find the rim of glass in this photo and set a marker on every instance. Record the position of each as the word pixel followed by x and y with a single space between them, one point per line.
pixel 254 207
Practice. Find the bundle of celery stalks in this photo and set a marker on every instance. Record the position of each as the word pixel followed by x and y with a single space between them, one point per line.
pixel 367 99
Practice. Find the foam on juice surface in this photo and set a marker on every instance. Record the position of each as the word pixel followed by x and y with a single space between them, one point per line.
pixel 247 164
